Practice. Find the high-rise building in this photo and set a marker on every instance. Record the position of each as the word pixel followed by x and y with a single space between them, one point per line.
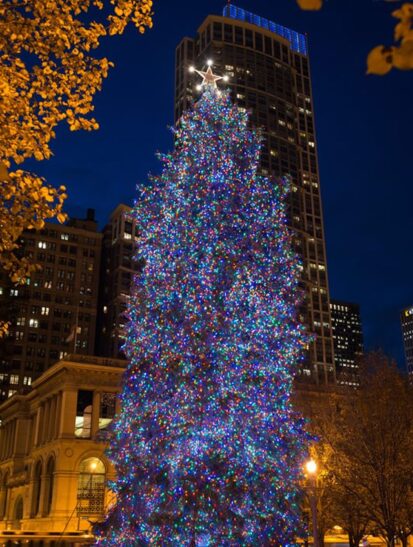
pixel 348 341
pixel 407 330
pixel 117 270
pixel 269 72
pixel 55 312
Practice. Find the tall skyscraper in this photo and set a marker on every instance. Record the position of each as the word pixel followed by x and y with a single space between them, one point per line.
pixel 269 72
pixel 348 341
pixel 407 330
pixel 117 270
pixel 55 312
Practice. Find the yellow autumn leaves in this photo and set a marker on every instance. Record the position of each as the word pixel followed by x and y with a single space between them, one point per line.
pixel 26 201
pixel 382 59
pixel 310 4
pixel 48 75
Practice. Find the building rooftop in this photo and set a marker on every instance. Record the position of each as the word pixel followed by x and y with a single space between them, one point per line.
pixel 298 41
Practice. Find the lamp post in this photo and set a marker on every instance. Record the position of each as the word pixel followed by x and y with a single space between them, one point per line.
pixel 311 468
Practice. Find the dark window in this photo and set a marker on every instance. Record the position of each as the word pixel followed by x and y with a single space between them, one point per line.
pixel 258 42
pixel 239 36
pixel 217 31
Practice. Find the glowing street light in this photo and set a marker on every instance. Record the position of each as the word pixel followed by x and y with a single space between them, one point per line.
pixel 311 468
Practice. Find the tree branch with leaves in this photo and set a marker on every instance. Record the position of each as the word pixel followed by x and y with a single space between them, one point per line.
pixel 48 74
pixel 370 439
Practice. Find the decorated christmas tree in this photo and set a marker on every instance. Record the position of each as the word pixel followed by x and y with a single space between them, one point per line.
pixel 207 448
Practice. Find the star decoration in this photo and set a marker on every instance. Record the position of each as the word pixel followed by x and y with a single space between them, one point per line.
pixel 209 78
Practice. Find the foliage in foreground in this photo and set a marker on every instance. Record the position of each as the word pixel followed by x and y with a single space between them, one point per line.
pixel 366 442
pixel 48 74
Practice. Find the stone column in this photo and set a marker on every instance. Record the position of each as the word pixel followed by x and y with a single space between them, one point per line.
pixel 57 417
pixel 95 413
pixel 68 414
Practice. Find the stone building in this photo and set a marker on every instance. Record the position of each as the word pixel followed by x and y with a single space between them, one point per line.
pixel 53 469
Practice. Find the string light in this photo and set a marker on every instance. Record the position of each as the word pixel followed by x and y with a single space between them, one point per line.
pixel 207 448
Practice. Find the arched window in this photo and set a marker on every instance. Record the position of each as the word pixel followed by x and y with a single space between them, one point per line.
pixel 91 488
pixel 18 513
pixel 3 496
pixel 50 469
pixel 37 482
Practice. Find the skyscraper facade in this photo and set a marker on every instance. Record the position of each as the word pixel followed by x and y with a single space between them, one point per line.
pixel 55 312
pixel 269 72
pixel 348 341
pixel 117 270
pixel 407 330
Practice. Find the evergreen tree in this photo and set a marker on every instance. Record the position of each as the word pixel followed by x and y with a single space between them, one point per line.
pixel 207 448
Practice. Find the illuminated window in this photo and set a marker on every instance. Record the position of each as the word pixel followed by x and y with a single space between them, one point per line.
pixel 14 379
pixel 65 237
pixel 91 487
pixel 42 244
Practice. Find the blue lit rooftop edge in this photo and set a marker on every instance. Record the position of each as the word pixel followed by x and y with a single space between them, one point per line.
pixel 298 41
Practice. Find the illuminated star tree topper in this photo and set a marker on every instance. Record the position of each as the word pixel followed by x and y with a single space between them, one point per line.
pixel 208 77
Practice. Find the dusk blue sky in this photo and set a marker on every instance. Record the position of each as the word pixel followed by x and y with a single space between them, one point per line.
pixel 364 128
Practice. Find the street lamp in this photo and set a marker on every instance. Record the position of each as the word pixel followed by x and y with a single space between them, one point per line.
pixel 311 468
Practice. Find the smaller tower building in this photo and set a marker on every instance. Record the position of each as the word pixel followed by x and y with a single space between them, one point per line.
pixel 407 330
pixel 348 341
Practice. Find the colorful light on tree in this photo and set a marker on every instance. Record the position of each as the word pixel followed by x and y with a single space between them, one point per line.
pixel 207 448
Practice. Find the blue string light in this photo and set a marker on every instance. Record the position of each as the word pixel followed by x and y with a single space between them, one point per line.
pixel 207 448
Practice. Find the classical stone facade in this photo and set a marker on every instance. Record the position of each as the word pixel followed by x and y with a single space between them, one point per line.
pixel 53 468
